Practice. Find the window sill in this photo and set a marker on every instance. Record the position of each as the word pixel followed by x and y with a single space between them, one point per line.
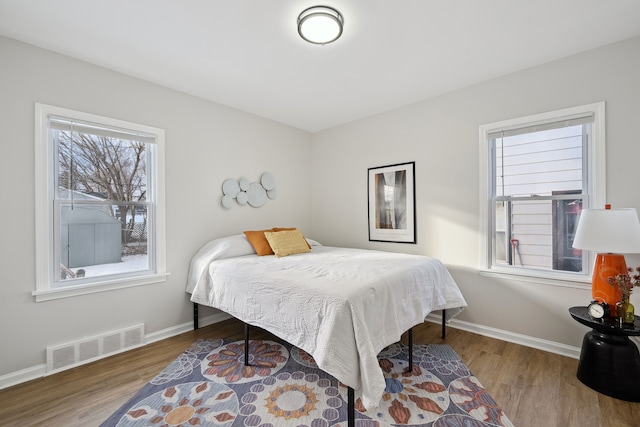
pixel 72 291
pixel 568 281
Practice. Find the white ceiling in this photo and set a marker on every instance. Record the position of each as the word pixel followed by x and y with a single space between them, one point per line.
pixel 247 54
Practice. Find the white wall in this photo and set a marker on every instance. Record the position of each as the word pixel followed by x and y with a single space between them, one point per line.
pixel 205 144
pixel 441 136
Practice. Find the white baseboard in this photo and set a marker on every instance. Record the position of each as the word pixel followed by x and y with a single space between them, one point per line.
pixel 34 372
pixel 185 327
pixel 525 340
pixel 22 376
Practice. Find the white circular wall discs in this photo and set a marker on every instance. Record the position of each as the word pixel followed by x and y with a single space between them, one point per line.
pixel 227 202
pixel 267 181
pixel 230 187
pixel 253 193
pixel 257 196
pixel 244 184
pixel 242 198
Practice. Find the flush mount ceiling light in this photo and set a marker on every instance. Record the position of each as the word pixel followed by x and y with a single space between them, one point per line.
pixel 320 24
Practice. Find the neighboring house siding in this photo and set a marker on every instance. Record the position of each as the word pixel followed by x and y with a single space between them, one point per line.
pixel 532 228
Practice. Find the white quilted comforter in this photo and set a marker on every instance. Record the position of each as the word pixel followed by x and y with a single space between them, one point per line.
pixel 342 306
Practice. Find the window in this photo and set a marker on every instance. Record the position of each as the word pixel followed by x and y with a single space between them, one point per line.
pixel 539 173
pixel 99 203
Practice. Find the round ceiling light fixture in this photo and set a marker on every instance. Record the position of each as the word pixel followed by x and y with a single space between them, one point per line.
pixel 320 24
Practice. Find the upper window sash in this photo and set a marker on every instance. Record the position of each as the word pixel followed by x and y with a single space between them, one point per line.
pixel 540 162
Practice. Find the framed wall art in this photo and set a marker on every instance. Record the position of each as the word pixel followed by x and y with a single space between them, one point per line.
pixel 392 203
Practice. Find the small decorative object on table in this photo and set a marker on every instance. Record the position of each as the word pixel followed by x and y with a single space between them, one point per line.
pixel 625 283
pixel 598 310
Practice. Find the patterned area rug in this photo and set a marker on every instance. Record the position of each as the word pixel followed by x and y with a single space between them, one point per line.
pixel 208 385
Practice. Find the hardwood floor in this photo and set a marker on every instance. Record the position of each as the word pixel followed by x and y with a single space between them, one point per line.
pixel 533 387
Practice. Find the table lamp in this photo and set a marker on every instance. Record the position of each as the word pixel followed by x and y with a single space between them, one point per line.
pixel 606 231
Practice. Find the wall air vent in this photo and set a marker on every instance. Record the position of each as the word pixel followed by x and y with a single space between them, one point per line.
pixel 79 352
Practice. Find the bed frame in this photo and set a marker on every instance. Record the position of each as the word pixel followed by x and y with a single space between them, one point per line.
pixel 196 321
pixel 350 392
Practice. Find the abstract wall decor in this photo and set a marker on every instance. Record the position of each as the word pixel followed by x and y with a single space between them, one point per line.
pixel 254 194
pixel 392 203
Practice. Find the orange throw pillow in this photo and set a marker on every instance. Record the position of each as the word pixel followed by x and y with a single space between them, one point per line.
pixel 259 242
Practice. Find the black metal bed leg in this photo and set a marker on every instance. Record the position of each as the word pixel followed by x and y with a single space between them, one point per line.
pixel 410 350
pixel 444 327
pixel 246 344
pixel 195 315
pixel 351 409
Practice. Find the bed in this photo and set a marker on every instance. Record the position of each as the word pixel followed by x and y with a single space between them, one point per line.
pixel 340 305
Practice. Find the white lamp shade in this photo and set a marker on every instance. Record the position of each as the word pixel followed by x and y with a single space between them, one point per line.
pixel 608 230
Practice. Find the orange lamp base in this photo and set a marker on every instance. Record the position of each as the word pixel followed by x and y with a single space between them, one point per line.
pixel 607 265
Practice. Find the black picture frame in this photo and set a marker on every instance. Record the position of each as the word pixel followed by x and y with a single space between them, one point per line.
pixel 392 203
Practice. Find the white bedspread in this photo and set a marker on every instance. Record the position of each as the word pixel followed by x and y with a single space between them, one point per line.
pixel 342 306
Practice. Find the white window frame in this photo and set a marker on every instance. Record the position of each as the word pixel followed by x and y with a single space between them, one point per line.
pixel 596 184
pixel 44 169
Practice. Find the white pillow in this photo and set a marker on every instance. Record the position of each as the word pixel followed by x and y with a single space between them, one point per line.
pixel 313 242
pixel 224 247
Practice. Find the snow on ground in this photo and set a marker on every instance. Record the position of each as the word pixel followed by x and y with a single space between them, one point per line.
pixel 129 263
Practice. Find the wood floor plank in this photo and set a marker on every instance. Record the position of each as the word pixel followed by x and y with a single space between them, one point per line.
pixel 533 387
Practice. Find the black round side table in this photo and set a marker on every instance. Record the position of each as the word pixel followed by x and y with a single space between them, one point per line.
pixel 609 361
